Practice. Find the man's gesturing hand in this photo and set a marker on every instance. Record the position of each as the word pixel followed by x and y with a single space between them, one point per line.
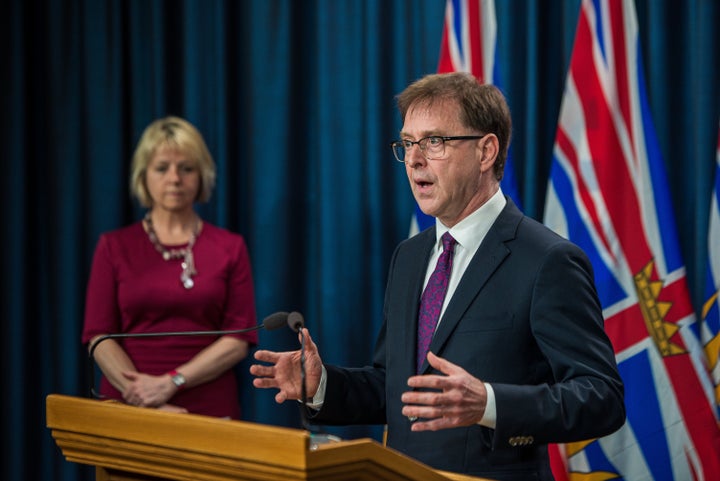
pixel 455 399
pixel 283 372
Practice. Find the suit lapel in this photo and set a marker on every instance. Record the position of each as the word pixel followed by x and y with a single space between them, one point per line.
pixel 414 269
pixel 488 258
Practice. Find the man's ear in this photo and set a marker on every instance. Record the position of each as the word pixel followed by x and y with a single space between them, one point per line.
pixel 489 147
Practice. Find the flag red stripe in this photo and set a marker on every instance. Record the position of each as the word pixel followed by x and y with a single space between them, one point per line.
pixel 611 169
pixel 565 145
pixel 445 63
pixel 696 412
pixel 677 292
pixel 474 18
pixel 626 328
pixel 620 58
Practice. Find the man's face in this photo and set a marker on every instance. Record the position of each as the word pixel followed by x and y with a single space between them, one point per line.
pixel 449 188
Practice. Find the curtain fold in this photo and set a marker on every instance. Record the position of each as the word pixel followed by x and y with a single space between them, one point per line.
pixel 296 103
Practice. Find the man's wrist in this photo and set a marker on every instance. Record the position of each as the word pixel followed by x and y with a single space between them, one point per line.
pixel 316 402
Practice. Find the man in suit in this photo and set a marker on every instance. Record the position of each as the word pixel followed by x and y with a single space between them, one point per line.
pixel 517 356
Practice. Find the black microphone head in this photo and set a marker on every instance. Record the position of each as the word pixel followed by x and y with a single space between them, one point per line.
pixel 295 321
pixel 275 321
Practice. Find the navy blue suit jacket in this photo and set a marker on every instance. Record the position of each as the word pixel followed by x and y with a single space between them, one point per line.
pixel 526 319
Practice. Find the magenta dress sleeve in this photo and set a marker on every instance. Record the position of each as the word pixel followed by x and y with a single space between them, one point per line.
pixel 101 309
pixel 240 308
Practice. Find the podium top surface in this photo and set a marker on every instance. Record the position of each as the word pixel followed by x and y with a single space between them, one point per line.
pixel 176 446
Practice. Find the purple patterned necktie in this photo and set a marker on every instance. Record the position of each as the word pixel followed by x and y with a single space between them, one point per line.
pixel 433 297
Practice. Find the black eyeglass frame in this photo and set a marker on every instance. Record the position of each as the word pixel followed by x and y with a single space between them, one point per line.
pixel 422 144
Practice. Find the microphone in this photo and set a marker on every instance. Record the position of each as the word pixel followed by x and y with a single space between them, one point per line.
pixel 276 320
pixel 295 321
pixel 270 323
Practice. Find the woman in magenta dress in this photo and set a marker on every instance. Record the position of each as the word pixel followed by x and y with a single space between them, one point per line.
pixel 171 272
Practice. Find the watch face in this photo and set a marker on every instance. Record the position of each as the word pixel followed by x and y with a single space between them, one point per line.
pixel 179 380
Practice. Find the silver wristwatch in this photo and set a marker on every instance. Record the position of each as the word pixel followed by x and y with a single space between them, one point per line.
pixel 177 379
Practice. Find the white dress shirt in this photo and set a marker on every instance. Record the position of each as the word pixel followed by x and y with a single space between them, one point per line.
pixel 469 234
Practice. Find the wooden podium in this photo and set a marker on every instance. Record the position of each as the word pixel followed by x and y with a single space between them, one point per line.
pixel 127 443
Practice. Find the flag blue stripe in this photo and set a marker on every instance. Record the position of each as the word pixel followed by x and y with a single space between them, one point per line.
pixel 457 27
pixel 663 204
pixel 509 183
pixel 599 461
pixel 712 321
pixel 599 28
pixel 609 290
pixel 644 416
pixel 496 73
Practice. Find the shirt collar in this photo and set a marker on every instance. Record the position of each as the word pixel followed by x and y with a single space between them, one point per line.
pixel 471 231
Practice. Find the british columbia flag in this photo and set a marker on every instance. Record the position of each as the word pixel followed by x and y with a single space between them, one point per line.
pixel 608 193
pixel 710 315
pixel 469 45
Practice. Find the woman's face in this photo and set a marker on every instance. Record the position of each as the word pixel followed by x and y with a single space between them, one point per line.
pixel 173 179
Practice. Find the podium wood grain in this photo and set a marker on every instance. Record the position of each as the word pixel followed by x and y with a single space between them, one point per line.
pixel 128 443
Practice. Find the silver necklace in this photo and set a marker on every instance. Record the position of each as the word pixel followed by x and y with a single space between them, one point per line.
pixel 186 254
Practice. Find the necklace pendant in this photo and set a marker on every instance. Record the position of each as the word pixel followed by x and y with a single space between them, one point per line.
pixel 188 264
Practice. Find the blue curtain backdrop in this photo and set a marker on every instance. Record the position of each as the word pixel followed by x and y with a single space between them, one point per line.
pixel 296 101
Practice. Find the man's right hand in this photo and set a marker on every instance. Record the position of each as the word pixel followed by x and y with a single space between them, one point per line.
pixel 283 372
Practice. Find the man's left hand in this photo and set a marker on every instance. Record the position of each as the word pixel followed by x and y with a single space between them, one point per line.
pixel 455 399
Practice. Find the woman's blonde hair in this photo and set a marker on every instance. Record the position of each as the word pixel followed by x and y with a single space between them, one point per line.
pixel 179 134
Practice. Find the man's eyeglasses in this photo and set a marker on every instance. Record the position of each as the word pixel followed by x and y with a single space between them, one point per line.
pixel 431 147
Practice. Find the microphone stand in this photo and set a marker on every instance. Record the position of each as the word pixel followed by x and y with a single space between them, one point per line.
pixel 296 322
pixel 270 323
pixel 317 437
pixel 303 385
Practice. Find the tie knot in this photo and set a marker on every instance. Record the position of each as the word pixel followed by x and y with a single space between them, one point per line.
pixel 448 242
